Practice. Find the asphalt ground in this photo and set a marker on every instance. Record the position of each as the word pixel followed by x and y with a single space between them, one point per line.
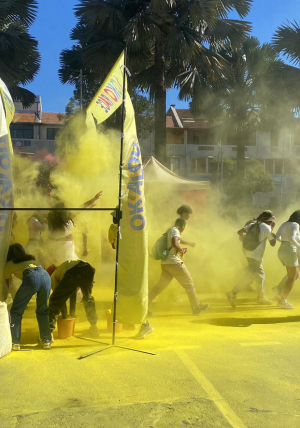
pixel 223 368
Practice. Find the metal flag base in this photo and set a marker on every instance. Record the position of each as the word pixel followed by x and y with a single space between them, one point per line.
pixel 89 354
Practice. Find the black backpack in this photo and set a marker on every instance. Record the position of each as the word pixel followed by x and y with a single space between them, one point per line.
pixel 251 239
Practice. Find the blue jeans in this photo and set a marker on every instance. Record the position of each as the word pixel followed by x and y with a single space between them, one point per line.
pixel 35 280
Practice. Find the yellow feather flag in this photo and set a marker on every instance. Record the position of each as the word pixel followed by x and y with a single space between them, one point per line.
pixel 6 180
pixel 132 304
pixel 109 97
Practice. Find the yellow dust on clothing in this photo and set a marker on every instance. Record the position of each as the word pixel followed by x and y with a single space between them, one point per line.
pixel 17 268
pixel 60 271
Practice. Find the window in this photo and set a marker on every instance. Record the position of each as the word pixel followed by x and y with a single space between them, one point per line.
pixel 274 138
pixel 278 166
pixel 198 166
pixel 21 131
pixel 27 143
pixel 269 166
pixel 51 133
pixel 203 137
pixel 207 148
pixel 287 166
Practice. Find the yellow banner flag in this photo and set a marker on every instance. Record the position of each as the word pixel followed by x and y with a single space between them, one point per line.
pixel 109 97
pixel 132 304
pixel 8 102
pixel 6 181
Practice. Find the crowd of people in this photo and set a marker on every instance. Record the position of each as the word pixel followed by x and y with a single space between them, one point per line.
pixel 67 274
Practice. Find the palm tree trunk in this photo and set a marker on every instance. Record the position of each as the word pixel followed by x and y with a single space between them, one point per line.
pixel 160 101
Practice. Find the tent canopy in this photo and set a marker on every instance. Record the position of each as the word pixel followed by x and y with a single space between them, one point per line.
pixel 156 173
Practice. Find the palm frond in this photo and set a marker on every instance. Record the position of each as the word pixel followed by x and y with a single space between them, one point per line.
pixel 26 97
pixel 287 40
pixel 18 10
pixel 228 30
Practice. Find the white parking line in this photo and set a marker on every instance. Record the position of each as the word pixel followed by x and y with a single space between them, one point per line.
pixel 213 394
pixel 260 343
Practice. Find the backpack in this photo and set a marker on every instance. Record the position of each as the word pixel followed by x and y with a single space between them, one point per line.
pixel 160 250
pixel 251 240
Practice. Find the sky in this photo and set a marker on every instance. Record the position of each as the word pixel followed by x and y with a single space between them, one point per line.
pixel 56 18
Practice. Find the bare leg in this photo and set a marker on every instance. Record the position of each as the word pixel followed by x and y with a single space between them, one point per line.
pixel 292 276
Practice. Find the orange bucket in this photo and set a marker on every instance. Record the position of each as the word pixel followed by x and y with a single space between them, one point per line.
pixel 109 319
pixel 65 328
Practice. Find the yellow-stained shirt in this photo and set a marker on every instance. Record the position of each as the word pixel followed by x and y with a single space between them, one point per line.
pixel 112 234
pixel 17 268
pixel 60 271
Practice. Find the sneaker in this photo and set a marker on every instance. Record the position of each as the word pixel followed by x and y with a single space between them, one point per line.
pixel 264 301
pixel 144 331
pixel 276 292
pixel 47 344
pixel 199 308
pixel 16 347
pixel 284 304
pixel 93 331
pixel 231 298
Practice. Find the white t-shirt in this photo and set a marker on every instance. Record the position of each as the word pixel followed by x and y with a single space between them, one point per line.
pixel 173 256
pixel 35 228
pixel 289 232
pixel 265 232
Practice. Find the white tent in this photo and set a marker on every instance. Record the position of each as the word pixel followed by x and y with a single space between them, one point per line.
pixel 156 173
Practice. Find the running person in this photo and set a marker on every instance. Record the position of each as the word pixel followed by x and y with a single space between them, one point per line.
pixel 173 267
pixel 289 236
pixel 255 270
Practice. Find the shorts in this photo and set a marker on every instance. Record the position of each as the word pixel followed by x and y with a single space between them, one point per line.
pixel 288 255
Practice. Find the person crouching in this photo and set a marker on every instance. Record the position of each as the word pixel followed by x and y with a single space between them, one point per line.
pixel 35 280
pixel 65 279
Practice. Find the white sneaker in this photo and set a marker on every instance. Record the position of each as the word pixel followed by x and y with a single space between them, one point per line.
pixel 144 331
pixel 264 301
pixel 16 347
pixel 284 304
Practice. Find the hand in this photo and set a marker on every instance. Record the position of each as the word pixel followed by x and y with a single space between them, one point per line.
pixel 97 196
pixel 192 244
pixel 183 251
pixel 85 253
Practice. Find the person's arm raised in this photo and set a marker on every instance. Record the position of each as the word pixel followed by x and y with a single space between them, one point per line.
pixel 92 201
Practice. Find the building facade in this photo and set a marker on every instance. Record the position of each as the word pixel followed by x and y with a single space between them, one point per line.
pixel 193 142
pixel 33 130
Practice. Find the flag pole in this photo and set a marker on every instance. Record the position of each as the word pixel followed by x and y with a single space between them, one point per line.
pixel 119 209
pixel 119 217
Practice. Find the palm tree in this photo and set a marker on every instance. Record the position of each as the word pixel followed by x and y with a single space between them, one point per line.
pixel 244 99
pixel 286 41
pixel 19 56
pixel 164 38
